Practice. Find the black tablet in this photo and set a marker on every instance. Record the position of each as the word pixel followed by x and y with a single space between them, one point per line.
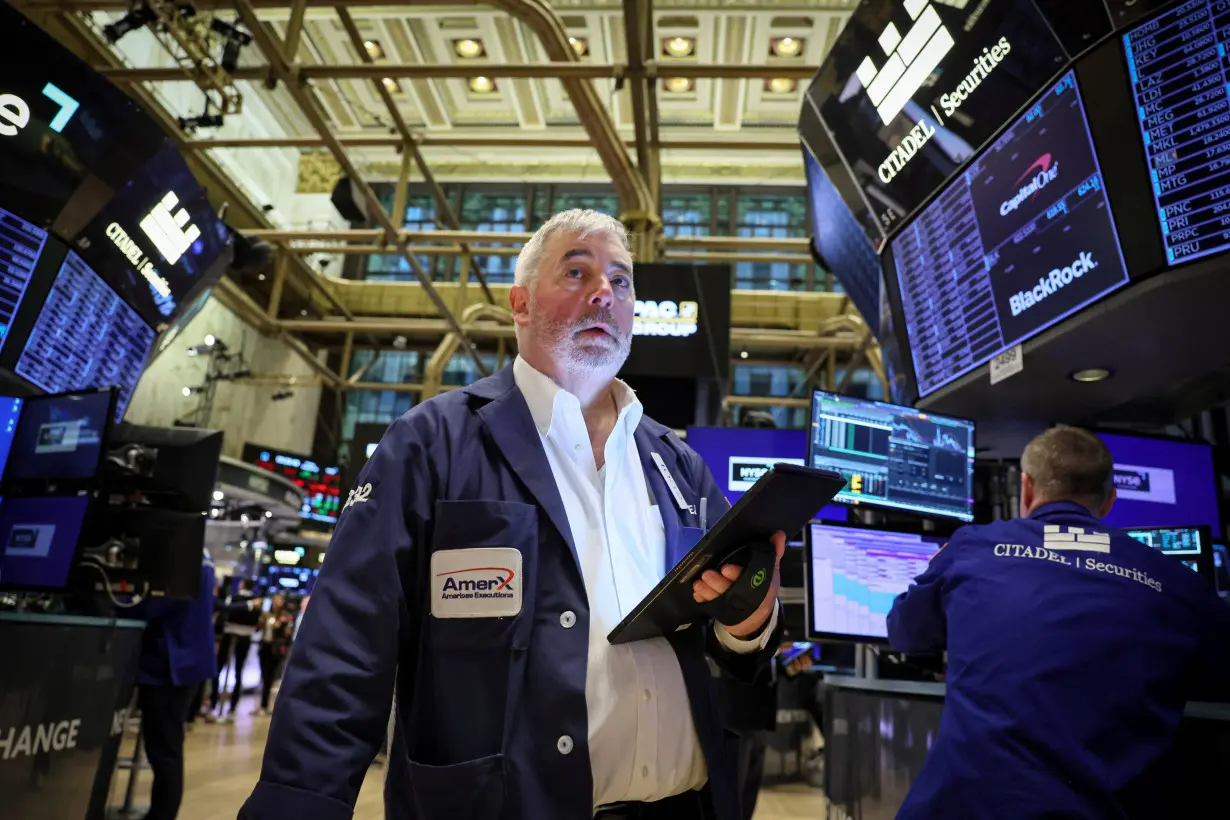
pixel 784 498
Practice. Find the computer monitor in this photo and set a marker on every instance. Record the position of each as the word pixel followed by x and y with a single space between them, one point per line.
pixel 1162 482
pixel 1191 546
pixel 738 456
pixel 894 457
pixel 321 484
pixel 853 575
pixel 61 437
pixel 10 411
pixel 38 540
pixel 1221 568
pixel 185 462
pixel 164 548
pixel 85 336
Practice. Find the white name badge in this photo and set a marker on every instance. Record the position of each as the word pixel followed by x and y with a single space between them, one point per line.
pixel 476 583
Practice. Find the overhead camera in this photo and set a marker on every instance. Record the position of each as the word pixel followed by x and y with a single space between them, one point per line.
pixel 139 16
pixel 206 120
pixel 282 394
pixel 236 39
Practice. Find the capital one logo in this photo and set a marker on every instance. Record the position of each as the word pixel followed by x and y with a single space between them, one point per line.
pixel 910 58
pixel 1046 174
pixel 171 233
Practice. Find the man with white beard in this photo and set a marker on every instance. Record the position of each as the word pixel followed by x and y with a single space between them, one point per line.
pixel 495 537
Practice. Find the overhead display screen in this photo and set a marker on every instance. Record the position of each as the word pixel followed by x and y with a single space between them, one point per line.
pixel 1177 65
pixel 894 457
pixel 1162 482
pixel 841 243
pixel 681 325
pixel 321 485
pixel 21 245
pixel 157 242
pixel 1021 240
pixel 853 576
pixel 85 336
pixel 67 135
pixel 913 88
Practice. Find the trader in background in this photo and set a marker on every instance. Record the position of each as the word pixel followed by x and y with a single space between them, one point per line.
pixel 494 538
pixel 177 655
pixel 1072 649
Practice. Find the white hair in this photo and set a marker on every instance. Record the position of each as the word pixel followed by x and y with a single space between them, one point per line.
pixel 582 222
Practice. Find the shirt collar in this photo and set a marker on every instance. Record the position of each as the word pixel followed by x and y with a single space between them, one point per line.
pixel 1060 507
pixel 546 398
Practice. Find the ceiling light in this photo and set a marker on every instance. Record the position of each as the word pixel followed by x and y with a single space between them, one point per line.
pixel 261 277
pixel 781 85
pixel 482 85
pixel 218 495
pixel 1091 374
pixel 679 47
pixel 391 86
pixel 373 49
pixel 303 312
pixel 678 85
pixel 580 45
pixel 787 47
pixel 468 49
pixel 743 355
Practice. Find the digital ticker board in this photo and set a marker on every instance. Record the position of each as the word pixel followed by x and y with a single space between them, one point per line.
pixel 1179 74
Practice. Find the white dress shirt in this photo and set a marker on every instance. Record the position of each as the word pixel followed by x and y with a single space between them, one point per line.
pixel 642 741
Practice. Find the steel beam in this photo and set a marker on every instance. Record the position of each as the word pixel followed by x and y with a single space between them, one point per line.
pixel 312 112
pixel 645 70
pixel 448 141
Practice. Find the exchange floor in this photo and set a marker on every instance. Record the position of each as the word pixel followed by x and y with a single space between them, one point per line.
pixel 222 762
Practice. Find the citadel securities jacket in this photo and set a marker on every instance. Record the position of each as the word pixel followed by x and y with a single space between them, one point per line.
pixel 1072 651
pixel 483 704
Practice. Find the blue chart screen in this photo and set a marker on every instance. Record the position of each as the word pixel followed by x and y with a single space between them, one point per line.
pixel 1020 241
pixel 85 336
pixel 21 244
pixel 856 574
pixel 894 456
pixel 1170 540
pixel 1179 73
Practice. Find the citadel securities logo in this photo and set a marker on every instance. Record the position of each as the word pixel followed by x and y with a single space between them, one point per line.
pixel 1047 172
pixel 910 60
pixel 1052 283
pixel 171 231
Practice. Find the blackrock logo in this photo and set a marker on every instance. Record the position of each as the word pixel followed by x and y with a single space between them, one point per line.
pixel 910 60
pixel 747 470
pixel 665 318
pixel 1045 174
pixel 1051 283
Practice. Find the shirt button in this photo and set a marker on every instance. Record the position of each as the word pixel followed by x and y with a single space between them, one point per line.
pixel 564 744
pixel 644 771
pixel 647 694
pixel 576 447
pixel 567 619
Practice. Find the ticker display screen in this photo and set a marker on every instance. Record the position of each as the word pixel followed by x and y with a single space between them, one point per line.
pixel 1177 65
pixel 321 484
pixel 21 245
pixel 1021 240
pixel 85 336
pixel 895 457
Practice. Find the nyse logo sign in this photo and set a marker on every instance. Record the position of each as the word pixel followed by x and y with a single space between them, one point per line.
pixel 910 60
pixel 1135 483
pixel 15 112
pixel 171 231
pixel 665 318
pixel 746 470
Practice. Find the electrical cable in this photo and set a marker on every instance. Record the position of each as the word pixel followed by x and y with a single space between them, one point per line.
pixel 91 562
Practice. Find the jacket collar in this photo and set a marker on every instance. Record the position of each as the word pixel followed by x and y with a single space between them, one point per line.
pixel 1061 508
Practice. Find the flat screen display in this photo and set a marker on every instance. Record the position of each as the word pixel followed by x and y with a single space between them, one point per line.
pixel 894 457
pixel 321 484
pixel 157 241
pixel 69 139
pixel 85 336
pixel 841 243
pixel 39 539
pixel 912 89
pixel 682 321
pixel 854 575
pixel 1176 63
pixel 739 456
pixel 21 245
pixel 60 437
pixel 10 411
pixel 1190 546
pixel 1021 240
pixel 1161 482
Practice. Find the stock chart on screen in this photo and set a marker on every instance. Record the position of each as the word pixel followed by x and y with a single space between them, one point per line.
pixel 894 456
pixel 854 575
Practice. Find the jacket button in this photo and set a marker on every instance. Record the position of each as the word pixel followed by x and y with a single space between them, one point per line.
pixel 568 619
pixel 564 744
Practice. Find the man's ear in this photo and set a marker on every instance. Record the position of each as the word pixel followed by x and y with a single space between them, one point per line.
pixel 519 301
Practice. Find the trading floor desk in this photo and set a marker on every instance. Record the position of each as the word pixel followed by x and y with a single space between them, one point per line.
pixel 877 733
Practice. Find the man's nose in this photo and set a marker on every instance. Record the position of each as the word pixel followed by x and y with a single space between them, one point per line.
pixel 603 295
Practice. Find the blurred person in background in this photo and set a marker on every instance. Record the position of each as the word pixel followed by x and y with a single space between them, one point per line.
pixel 239 616
pixel 275 628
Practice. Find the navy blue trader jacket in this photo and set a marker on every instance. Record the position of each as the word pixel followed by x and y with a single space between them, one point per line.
pixel 491 720
pixel 177 648
pixel 1072 650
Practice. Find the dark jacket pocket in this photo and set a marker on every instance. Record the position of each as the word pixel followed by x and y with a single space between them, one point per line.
pixel 473 790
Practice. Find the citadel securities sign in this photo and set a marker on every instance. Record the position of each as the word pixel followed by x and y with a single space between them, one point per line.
pixel 912 89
